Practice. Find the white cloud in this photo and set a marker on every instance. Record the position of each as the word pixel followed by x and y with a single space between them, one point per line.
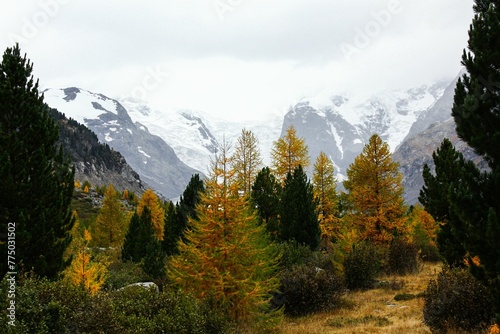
pixel 255 57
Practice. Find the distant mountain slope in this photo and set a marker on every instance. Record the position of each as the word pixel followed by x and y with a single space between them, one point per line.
pixel 340 125
pixel 94 161
pixel 195 136
pixel 154 160
pixel 425 136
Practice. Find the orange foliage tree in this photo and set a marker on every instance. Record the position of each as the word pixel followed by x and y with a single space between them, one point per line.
pixel 325 191
pixel 226 254
pixel 84 271
pixel 288 153
pixel 110 226
pixel 375 193
pixel 246 160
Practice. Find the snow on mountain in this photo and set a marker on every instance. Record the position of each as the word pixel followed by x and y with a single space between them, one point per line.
pixel 149 155
pixel 340 125
pixel 195 136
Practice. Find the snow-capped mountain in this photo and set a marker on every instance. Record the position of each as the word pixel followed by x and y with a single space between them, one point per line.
pixel 195 136
pixel 341 125
pixel 147 154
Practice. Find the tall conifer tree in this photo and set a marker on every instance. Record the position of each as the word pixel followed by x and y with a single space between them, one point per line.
pixel 177 215
pixel 375 191
pixel 435 197
pixel 288 153
pixel 476 112
pixel 227 255
pixel 299 211
pixel 36 181
pixel 246 160
pixel 265 197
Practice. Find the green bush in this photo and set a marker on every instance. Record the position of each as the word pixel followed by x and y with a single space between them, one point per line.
pixel 43 306
pixel 457 301
pixel 362 265
pixel 307 288
pixel 403 257
pixel 293 253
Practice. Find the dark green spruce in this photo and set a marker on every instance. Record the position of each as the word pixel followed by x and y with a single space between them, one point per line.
pixel 265 197
pixel 36 180
pixel 435 197
pixel 299 213
pixel 178 215
pixel 475 201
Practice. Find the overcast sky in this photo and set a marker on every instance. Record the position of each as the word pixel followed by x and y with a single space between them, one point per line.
pixel 237 58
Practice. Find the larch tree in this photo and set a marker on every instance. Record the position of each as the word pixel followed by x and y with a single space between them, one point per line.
pixel 299 211
pixel 36 180
pixel 476 111
pixel 246 160
pixel 84 271
pixel 150 199
pixel 227 255
pixel 289 152
pixel 375 192
pixel 110 226
pixel 325 191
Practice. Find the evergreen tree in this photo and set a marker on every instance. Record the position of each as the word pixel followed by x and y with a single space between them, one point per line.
pixel 476 113
pixel 299 211
pixel 109 228
pixel 130 249
pixel 435 197
pixel 227 256
pixel 36 182
pixel 176 220
pixel 265 197
pixel 139 237
pixel 246 160
pixel 150 200
pixel 288 153
pixel 376 193
pixel 325 191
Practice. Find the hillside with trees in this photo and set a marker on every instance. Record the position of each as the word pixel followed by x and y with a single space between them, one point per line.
pixel 253 248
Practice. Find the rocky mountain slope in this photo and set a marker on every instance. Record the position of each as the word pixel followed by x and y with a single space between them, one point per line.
pixel 425 136
pixel 341 125
pixel 195 136
pixel 147 154
pixel 94 161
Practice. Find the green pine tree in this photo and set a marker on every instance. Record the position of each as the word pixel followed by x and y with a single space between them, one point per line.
pixel 177 216
pixel 299 210
pixel 435 197
pixel 476 113
pixel 265 197
pixel 140 238
pixel 36 181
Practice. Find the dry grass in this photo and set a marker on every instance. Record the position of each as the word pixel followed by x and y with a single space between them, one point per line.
pixel 373 311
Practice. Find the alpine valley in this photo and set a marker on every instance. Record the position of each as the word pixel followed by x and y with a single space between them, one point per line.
pixel 166 147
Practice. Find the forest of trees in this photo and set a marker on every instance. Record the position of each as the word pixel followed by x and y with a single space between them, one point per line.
pixel 248 244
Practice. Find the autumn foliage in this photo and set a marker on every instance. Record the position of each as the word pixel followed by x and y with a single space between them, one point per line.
pixel 375 193
pixel 227 256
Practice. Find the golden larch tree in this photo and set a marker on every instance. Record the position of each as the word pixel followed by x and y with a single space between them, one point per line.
pixel 226 254
pixel 151 200
pixel 84 271
pixel 288 153
pixel 325 191
pixel 246 160
pixel 375 193
pixel 111 224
